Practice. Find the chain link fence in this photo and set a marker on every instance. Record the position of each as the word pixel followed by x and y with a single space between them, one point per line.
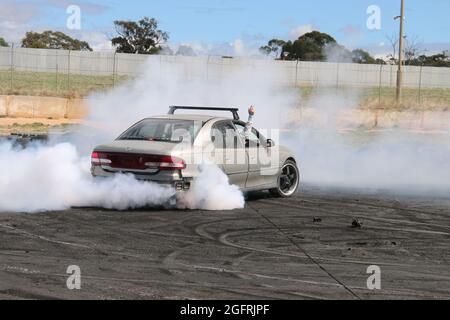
pixel 75 74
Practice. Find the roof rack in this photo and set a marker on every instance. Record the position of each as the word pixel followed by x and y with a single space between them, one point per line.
pixel 234 111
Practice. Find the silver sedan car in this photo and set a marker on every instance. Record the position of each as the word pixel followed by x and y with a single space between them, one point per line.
pixel 168 149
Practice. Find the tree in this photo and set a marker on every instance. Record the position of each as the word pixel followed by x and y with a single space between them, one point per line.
pixel 412 49
pixel 436 60
pixel 142 36
pixel 3 43
pixel 316 46
pixel 362 56
pixel 393 40
pixel 53 40
pixel 274 46
pixel 310 47
pixel 379 61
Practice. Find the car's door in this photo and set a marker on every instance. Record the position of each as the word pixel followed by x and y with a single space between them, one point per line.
pixel 230 152
pixel 259 157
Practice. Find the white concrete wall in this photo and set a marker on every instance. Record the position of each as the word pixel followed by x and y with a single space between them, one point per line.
pixel 299 73
pixel 3 106
pixel 42 107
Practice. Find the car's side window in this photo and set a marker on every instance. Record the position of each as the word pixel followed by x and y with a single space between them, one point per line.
pixel 217 135
pixel 224 135
pixel 255 138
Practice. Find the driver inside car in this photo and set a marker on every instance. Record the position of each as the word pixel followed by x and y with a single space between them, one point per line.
pixel 249 124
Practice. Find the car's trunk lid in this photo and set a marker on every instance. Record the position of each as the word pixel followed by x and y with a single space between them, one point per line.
pixel 135 154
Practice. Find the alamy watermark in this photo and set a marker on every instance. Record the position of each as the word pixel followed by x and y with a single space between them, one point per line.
pixel 374 280
pixel 374 19
pixel 74 19
pixel 74 280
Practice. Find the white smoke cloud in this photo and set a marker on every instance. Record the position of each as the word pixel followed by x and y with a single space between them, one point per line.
pixel 55 177
pixel 42 178
pixel 189 82
pixel 212 191
pixel 394 159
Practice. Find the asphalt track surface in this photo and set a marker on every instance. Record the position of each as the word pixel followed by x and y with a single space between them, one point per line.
pixel 298 248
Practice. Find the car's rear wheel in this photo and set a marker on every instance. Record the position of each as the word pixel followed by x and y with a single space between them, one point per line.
pixel 288 180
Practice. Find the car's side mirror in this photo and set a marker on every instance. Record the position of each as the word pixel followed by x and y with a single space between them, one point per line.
pixel 270 143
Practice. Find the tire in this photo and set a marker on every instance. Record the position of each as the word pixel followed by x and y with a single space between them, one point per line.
pixel 288 180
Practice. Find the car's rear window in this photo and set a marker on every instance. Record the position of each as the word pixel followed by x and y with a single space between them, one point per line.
pixel 170 130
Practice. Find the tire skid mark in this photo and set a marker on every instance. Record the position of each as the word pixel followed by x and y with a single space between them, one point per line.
pixel 36 236
pixel 278 293
pixel 168 223
pixel 367 217
pixel 237 261
pixel 347 202
pixel 76 245
pixel 164 283
pixel 190 232
pixel 256 275
pixel 289 279
pixel 311 258
pixel 224 239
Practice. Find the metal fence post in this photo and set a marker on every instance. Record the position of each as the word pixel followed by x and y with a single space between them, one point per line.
pixel 296 74
pixel 114 68
pixel 56 71
pixel 420 85
pixel 379 86
pixel 337 75
pixel 68 71
pixel 12 66
pixel 207 67
pixel 57 87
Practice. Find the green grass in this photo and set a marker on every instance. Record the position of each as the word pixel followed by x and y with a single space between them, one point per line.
pixel 54 84
pixel 36 127
pixel 385 97
pixel 62 85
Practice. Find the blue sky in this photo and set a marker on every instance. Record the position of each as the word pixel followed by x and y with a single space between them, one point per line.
pixel 252 22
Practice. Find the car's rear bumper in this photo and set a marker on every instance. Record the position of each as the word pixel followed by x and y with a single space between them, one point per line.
pixel 172 179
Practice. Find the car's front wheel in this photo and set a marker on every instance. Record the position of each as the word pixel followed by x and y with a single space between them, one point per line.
pixel 288 180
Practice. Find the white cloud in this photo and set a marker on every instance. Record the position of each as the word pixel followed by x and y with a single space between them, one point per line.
pixel 298 31
pixel 86 6
pixel 11 31
pixel 351 31
pixel 15 19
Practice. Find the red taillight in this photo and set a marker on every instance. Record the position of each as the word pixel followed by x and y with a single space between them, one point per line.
pixel 136 161
pixel 99 158
pixel 166 163
pixel 95 159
